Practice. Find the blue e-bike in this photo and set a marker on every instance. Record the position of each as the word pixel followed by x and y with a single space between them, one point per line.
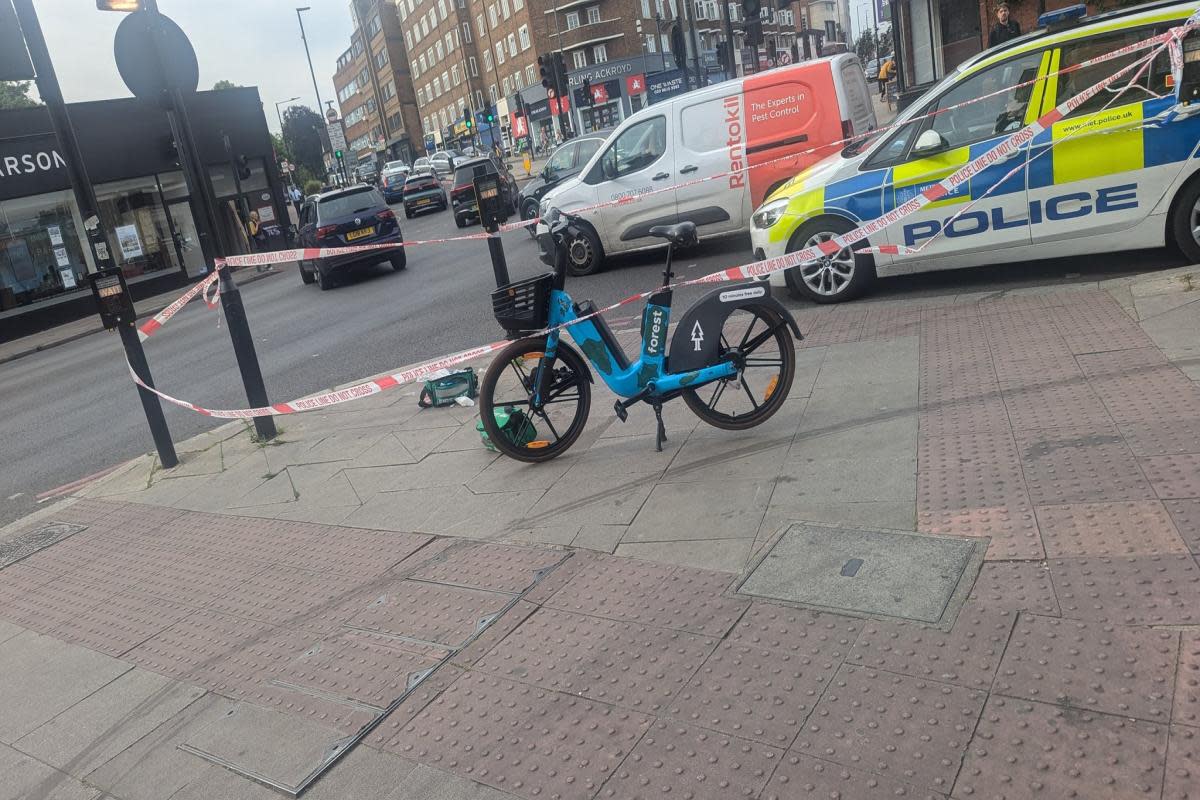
pixel 731 358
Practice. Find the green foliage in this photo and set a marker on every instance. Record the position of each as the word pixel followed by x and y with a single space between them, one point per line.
pixel 302 131
pixel 312 187
pixel 223 84
pixel 866 45
pixel 15 94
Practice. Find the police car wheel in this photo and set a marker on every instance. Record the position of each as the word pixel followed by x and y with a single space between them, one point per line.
pixel 1185 223
pixel 584 256
pixel 831 279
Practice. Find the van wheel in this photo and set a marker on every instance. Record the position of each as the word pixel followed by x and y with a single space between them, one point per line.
pixel 831 279
pixel 1185 222
pixel 584 254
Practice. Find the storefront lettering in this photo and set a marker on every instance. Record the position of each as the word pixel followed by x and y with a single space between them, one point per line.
pixel 27 163
pixel 599 73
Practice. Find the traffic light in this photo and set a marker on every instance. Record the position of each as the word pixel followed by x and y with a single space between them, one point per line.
pixel 585 94
pixel 546 70
pixel 560 72
pixel 119 5
pixel 470 123
pixel 752 9
pixel 491 115
pixel 337 154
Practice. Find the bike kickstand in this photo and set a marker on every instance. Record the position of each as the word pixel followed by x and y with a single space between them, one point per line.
pixel 661 435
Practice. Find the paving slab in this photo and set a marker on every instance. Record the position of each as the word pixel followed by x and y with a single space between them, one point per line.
pixel 1133 527
pixel 1183 764
pixel 1187 684
pixel 709 510
pixel 1162 437
pixel 799 632
pixel 1129 590
pixel 1174 476
pixel 730 555
pixel 1015 586
pixel 695 762
pixel 800 776
pixel 602 538
pixel 903 728
pixel 522 739
pixel 103 724
pixel 26 778
pixel 427 783
pixel 1024 749
pixel 44 677
pixel 355 552
pixel 621 663
pixel 1092 666
pixel 493 567
pixel 430 613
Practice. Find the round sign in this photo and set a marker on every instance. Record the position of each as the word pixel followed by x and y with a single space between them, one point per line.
pixel 144 72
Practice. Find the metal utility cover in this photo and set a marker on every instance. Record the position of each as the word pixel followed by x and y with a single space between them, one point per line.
pixel 27 543
pixel 881 573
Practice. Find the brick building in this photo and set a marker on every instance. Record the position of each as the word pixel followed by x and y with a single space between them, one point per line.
pixel 374 89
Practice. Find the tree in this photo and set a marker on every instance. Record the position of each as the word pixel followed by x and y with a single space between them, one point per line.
pixel 302 132
pixel 224 84
pixel 866 45
pixel 15 94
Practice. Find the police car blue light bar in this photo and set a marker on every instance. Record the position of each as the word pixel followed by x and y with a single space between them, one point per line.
pixel 1062 16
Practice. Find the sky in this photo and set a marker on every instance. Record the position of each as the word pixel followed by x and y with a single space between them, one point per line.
pixel 248 42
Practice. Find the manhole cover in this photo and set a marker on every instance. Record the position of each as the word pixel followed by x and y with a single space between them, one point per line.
pixel 26 544
pixel 879 573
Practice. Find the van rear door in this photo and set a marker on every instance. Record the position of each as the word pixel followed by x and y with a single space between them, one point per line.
pixel 709 141
pixel 854 94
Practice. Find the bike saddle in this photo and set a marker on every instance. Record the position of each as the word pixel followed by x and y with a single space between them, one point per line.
pixel 681 234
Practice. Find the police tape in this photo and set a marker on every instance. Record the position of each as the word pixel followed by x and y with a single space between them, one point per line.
pixel 753 270
pixel 155 323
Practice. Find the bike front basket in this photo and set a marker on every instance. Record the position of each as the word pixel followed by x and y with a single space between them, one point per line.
pixel 524 306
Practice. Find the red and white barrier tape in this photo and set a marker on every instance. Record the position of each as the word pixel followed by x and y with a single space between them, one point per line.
pixel 152 325
pixel 746 271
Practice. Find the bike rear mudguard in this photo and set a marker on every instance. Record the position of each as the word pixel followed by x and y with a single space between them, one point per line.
pixel 698 336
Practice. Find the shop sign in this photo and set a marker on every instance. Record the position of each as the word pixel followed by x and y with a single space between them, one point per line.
pixel 663 85
pixel 539 109
pixel 31 166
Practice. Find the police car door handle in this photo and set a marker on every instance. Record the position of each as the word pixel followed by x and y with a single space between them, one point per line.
pixel 688 168
pixel 661 176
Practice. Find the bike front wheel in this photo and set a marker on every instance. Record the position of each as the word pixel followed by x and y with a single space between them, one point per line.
pixel 759 337
pixel 513 424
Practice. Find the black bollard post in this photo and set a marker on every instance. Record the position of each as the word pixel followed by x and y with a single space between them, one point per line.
pixel 243 349
pixel 150 402
pixel 499 264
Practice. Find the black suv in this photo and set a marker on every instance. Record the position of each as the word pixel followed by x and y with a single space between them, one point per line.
pixel 343 217
pixel 462 195
pixel 565 162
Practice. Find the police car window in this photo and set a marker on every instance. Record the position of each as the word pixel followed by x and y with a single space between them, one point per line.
pixel 1072 83
pixel 993 116
pixel 636 148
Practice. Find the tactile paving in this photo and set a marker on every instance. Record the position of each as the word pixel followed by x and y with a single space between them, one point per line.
pixel 196 643
pixel 1023 749
pixel 1015 586
pixel 1091 665
pixel 1186 516
pixel 967 655
pixel 673 760
pixel 247 665
pixel 355 551
pixel 796 631
pixel 1080 465
pixel 121 622
pixel 1174 476
pixel 496 567
pixel 1183 764
pixel 428 612
pixel 245 538
pixel 758 694
pixel 904 728
pixel 1131 590
pixel 1134 527
pixel 522 739
pixel 1011 527
pixel 1064 403
pixel 285 595
pixel 54 603
pixel 18 580
pixel 1187 682
pixel 800 776
pixel 890 323
pixel 616 662
pixel 963 416
pixel 651 594
pixel 1162 437
pixel 194 577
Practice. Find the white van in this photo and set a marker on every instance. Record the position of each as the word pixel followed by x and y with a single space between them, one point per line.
pixel 804 109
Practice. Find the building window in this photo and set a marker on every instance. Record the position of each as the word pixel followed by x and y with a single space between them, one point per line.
pixel 374 26
pixel 518 4
pixel 529 75
pixel 500 53
pixel 437 86
pixel 467 32
pixel 389 90
pixel 424 63
pixel 600 54
pixel 412 65
pixel 572 20
pixel 370 105
pixel 651 44
pixel 449 38
pixel 512 45
pixel 646 10
pixel 478 98
pixel 424 27
pixel 492 15
pixel 446 80
pixel 442 10
pixel 593 15
pixel 473 67
pixel 441 52
pixel 504 9
pixel 363 78
pixel 580 59
pixel 507 86
pixel 487 60
pixel 523 34
pixel 454 74
pixel 493 93
pixel 408 39
pixel 394 122
pixel 381 59
pixel 480 26
pixel 516 79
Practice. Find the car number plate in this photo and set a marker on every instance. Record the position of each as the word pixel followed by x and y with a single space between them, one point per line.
pixel 359 234
pixel 424 201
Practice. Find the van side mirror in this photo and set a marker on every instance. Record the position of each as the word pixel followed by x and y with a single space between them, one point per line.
pixel 929 142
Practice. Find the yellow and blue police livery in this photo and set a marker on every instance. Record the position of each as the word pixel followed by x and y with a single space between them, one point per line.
pixel 1118 173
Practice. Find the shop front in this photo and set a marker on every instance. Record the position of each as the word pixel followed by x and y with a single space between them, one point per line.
pixel 143 200
pixel 931 38
pixel 618 88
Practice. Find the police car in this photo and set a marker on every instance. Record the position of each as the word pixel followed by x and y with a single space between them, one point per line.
pixel 1107 184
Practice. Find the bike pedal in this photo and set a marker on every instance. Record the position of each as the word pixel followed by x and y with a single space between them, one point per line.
pixel 622 413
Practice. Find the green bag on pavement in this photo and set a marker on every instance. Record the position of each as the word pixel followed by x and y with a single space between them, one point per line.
pixel 512 423
pixel 443 391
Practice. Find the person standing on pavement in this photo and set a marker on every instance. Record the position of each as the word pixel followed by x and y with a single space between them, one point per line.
pixel 885 74
pixel 1005 28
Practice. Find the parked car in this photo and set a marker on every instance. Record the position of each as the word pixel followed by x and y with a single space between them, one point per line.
pixel 776 122
pixel 351 216
pixel 462 195
pixel 423 192
pixel 444 161
pixel 566 162
pixel 1107 185
pixel 391 184
pixel 871 70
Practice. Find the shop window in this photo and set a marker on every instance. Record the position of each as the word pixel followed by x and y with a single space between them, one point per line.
pixel 41 254
pixel 133 213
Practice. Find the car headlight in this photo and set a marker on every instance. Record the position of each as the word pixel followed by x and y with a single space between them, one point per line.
pixel 769 214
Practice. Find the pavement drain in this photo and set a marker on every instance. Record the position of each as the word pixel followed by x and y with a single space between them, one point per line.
pixel 26 544
pixel 868 572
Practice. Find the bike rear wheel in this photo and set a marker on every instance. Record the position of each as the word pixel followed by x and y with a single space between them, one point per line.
pixel 513 425
pixel 760 337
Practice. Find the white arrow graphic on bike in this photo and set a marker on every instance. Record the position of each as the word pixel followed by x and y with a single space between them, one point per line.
pixel 697 335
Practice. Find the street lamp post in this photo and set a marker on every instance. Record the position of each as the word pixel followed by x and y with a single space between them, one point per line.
pixel 282 135
pixel 308 55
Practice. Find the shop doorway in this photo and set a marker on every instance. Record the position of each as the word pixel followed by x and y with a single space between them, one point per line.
pixel 187 238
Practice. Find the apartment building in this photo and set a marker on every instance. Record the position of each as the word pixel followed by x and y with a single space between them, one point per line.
pixel 374 89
